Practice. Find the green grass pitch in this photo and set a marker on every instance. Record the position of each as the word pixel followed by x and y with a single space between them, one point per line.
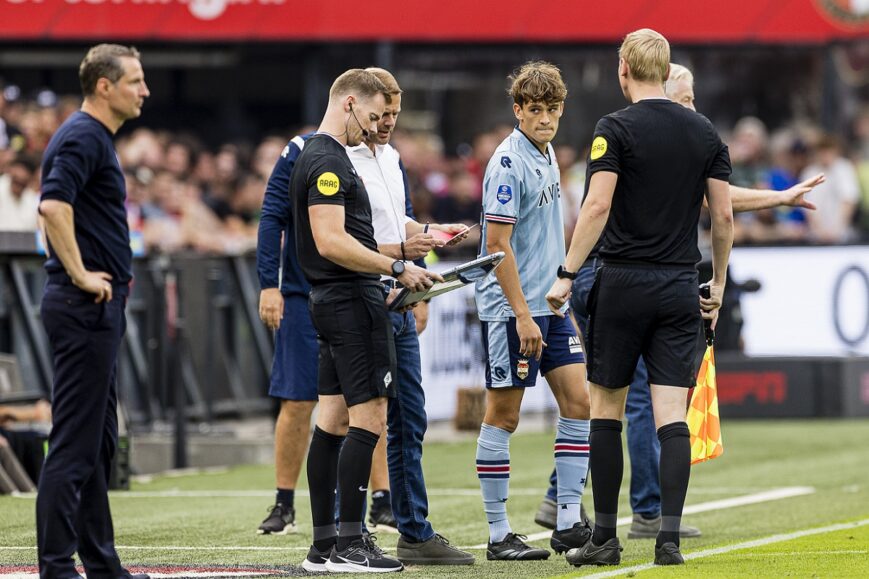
pixel 830 457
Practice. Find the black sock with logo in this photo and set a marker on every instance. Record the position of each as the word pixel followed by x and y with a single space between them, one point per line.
pixel 354 470
pixel 322 478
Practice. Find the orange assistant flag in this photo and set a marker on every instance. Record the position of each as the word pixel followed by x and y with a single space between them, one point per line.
pixel 704 424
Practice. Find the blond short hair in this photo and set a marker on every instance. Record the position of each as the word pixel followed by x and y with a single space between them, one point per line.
pixel 360 83
pixel 647 54
pixel 386 78
pixel 678 73
pixel 537 82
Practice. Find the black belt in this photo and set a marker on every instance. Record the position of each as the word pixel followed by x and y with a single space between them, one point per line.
pixel 391 284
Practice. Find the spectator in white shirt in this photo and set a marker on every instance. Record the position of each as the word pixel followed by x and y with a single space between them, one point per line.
pixel 837 197
pixel 18 199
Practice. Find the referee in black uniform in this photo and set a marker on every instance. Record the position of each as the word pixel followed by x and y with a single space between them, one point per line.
pixel 89 271
pixel 650 165
pixel 357 370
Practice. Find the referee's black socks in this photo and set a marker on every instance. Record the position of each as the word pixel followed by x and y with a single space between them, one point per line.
pixel 354 470
pixel 607 466
pixel 675 472
pixel 322 479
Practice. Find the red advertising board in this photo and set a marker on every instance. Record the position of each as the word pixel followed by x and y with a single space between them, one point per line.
pixel 682 21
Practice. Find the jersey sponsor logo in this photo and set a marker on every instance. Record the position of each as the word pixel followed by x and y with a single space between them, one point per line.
pixel 522 368
pixel 598 148
pixel 328 184
pixel 506 162
pixel 549 194
pixel 505 194
pixel 574 344
pixel 539 174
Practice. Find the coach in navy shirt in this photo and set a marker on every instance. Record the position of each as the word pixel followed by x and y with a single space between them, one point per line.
pixel 89 272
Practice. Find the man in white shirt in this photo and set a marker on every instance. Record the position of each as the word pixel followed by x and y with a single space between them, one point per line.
pixel 398 235
pixel 18 200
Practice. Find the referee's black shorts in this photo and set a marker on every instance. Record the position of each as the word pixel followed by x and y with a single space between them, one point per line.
pixel 648 310
pixel 356 347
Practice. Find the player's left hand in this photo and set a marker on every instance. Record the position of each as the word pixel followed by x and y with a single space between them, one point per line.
pixel 558 295
pixel 795 196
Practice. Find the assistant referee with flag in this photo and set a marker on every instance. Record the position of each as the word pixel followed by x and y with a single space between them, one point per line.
pixel 650 165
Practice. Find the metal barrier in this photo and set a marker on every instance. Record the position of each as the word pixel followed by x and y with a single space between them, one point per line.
pixel 220 359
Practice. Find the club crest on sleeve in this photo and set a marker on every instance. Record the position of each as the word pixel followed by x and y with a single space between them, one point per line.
pixel 522 368
pixel 328 183
pixel 505 194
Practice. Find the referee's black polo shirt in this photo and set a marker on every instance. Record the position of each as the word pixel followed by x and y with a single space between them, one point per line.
pixel 80 167
pixel 663 153
pixel 324 174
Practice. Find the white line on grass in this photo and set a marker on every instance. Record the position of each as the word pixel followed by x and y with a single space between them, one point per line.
pixel 437 492
pixel 772 495
pixel 736 547
pixel 762 497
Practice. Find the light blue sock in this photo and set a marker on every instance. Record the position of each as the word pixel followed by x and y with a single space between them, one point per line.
pixel 571 465
pixel 493 470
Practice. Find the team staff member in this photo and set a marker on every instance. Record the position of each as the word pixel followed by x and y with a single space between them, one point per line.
pixel 89 271
pixel 338 255
pixel 401 237
pixel 650 166
pixel 522 217
pixel 643 447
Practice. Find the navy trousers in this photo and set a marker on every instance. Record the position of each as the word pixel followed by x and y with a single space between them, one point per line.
pixel 72 505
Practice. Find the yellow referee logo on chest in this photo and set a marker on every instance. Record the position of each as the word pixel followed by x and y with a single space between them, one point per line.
pixel 598 148
pixel 328 183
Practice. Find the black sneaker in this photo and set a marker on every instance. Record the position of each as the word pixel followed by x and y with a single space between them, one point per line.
pixel 315 562
pixel 514 548
pixel 668 554
pixel 362 556
pixel 576 536
pixel 381 519
pixel 610 553
pixel 281 521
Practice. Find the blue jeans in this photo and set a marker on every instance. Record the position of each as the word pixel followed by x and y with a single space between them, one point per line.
pixel 406 424
pixel 643 446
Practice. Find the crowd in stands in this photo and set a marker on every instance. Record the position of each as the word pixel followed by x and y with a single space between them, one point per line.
pixel 184 195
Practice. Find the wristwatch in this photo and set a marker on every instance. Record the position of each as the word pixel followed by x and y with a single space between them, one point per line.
pixel 397 268
pixel 564 274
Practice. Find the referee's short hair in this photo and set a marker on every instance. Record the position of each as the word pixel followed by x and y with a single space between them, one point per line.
pixel 537 82
pixel 103 61
pixel 647 54
pixel 359 83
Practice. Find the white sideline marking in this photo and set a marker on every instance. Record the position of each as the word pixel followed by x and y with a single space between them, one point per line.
pixel 771 495
pixel 762 497
pixel 436 492
pixel 737 546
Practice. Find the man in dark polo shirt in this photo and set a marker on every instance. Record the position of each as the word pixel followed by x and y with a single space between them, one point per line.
pixel 89 271
pixel 357 370
pixel 650 165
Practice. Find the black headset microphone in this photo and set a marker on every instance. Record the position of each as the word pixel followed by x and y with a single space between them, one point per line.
pixel 361 128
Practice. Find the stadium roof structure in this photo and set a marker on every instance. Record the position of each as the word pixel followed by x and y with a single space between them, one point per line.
pixel 513 21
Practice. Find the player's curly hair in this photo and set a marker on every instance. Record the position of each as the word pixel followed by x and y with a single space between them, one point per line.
pixel 537 82
pixel 103 61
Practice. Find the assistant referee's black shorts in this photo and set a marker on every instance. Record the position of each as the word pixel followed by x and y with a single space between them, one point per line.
pixel 356 347
pixel 647 310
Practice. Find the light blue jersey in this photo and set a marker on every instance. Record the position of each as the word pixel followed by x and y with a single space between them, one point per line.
pixel 522 187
